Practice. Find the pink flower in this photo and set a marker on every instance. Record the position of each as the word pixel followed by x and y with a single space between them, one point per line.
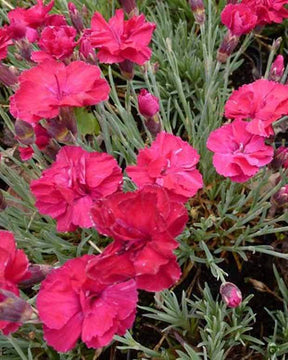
pixel 231 294
pixel 169 162
pixel 13 270
pixel 24 22
pixel 67 189
pixel 268 11
pixel 144 240
pixel 148 104
pixel 55 42
pixel 262 102
pixel 76 85
pixel 69 300
pixel 238 154
pixel 5 41
pixel 120 40
pixel 239 18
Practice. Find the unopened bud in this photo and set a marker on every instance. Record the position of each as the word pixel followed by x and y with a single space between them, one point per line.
pixel 280 159
pixel 7 76
pixel 127 69
pixel 148 104
pixel 58 130
pixel 227 47
pixel 280 199
pixel 231 294
pixel 130 7
pixel 75 17
pixel 276 44
pixel 3 203
pixel 13 308
pixel 24 132
pixel 153 124
pixel 198 10
pixel 277 69
pixel 38 273
pixel 24 49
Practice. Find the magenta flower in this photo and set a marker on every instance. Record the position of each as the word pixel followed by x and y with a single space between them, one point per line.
pixel 268 11
pixel 73 306
pixel 76 85
pixel 25 22
pixel 67 190
pixel 169 162
pixel 5 41
pixel 144 239
pixel 55 42
pixel 261 102
pixel 120 40
pixel 239 18
pixel 238 154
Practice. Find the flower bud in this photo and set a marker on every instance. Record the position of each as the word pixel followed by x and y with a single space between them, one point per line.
pixel 153 125
pixel 127 69
pixel 227 47
pixel 280 199
pixel 38 273
pixel 280 159
pixel 148 104
pixel 75 17
pixel 277 69
pixel 3 203
pixel 58 130
pixel 231 294
pixel 13 308
pixel 198 10
pixel 7 76
pixel 130 7
pixel 24 132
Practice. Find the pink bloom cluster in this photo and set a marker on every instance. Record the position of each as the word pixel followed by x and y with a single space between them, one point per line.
pixel 241 18
pixel 83 189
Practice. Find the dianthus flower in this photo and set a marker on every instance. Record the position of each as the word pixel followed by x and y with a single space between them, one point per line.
pixel 143 224
pixel 120 40
pixel 24 22
pixel 262 102
pixel 5 41
pixel 55 42
pixel 169 162
pixel 67 189
pixel 72 306
pixel 238 154
pixel 268 11
pixel 238 18
pixel 13 269
pixel 76 85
